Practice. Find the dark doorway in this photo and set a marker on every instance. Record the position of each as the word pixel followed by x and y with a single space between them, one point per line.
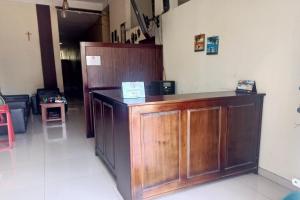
pixel 76 26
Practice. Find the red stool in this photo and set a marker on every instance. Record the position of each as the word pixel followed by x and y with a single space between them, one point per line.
pixel 4 110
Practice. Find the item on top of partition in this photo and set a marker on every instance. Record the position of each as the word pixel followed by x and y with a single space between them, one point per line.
pixel 135 37
pixel 139 33
pixel 199 42
pixel 246 86
pixel 123 33
pixel 212 45
pixel 133 90
pixel 132 38
pixel 115 35
pixel 112 37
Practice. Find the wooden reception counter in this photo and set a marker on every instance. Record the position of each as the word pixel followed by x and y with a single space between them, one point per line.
pixel 163 143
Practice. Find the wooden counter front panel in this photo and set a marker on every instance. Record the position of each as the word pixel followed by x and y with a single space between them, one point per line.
pixel 99 132
pixel 242 136
pixel 159 148
pixel 203 141
pixel 160 134
pixel 108 127
pixel 104 129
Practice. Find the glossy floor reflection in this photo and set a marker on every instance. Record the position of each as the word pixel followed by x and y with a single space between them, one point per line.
pixel 58 163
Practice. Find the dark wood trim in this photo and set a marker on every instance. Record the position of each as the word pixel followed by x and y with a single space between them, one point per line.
pixel 169 143
pixel 46 45
pixel 134 62
pixel 80 9
pixel 119 45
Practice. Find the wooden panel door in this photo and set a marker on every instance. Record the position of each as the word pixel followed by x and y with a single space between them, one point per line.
pixel 99 134
pixel 203 141
pixel 242 136
pixel 160 134
pixel 109 137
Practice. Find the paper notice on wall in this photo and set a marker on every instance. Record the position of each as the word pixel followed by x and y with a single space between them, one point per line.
pixel 93 60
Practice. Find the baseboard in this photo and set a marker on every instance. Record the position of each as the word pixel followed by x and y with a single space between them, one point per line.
pixel 277 179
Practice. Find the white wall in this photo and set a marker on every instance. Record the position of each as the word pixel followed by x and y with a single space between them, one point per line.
pixel 259 39
pixel 119 12
pixel 20 59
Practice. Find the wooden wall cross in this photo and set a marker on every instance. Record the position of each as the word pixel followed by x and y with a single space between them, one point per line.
pixel 28 35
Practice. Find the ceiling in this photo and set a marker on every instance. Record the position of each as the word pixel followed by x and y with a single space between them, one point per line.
pixel 75 24
pixel 93 1
pixel 97 5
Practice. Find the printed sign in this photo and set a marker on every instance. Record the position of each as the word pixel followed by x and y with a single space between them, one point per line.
pixel 133 90
pixel 93 60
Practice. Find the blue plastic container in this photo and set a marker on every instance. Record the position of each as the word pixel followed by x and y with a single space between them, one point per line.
pixel 293 196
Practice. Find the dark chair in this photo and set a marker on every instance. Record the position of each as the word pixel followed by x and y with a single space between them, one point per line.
pixel 40 95
pixel 19 106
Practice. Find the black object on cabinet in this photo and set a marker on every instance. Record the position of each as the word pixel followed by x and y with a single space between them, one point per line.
pixel 162 88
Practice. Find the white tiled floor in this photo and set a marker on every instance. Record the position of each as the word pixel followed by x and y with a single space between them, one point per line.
pixel 48 165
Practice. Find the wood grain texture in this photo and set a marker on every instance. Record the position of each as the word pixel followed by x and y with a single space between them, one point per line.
pixel 98 124
pixel 109 136
pixel 161 145
pixel 120 62
pixel 203 141
pixel 46 106
pixel 181 141
pixel 242 135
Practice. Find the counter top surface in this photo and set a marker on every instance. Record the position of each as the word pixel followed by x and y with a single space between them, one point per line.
pixel 116 95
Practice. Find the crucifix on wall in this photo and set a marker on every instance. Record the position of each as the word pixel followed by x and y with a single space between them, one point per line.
pixel 28 35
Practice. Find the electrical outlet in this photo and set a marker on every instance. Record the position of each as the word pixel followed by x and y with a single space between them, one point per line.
pixel 296 182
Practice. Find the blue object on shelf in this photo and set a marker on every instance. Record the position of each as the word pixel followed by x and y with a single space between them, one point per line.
pixel 293 196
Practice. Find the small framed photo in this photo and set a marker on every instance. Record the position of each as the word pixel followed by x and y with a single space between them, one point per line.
pixel 112 37
pixel 133 90
pixel 212 45
pixel 123 33
pixel 199 42
pixel 246 86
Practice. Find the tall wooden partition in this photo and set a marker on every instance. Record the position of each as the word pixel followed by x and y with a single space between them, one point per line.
pixel 119 63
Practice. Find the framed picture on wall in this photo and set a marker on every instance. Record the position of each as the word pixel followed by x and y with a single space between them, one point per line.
pixel 112 37
pixel 123 33
pixel 212 45
pixel 199 42
pixel 115 36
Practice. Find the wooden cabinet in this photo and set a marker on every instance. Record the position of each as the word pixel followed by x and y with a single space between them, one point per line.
pixel 119 63
pixel 170 142
pixel 109 138
pixel 103 127
pixel 98 127
pixel 242 136
pixel 161 144
pixel 204 141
